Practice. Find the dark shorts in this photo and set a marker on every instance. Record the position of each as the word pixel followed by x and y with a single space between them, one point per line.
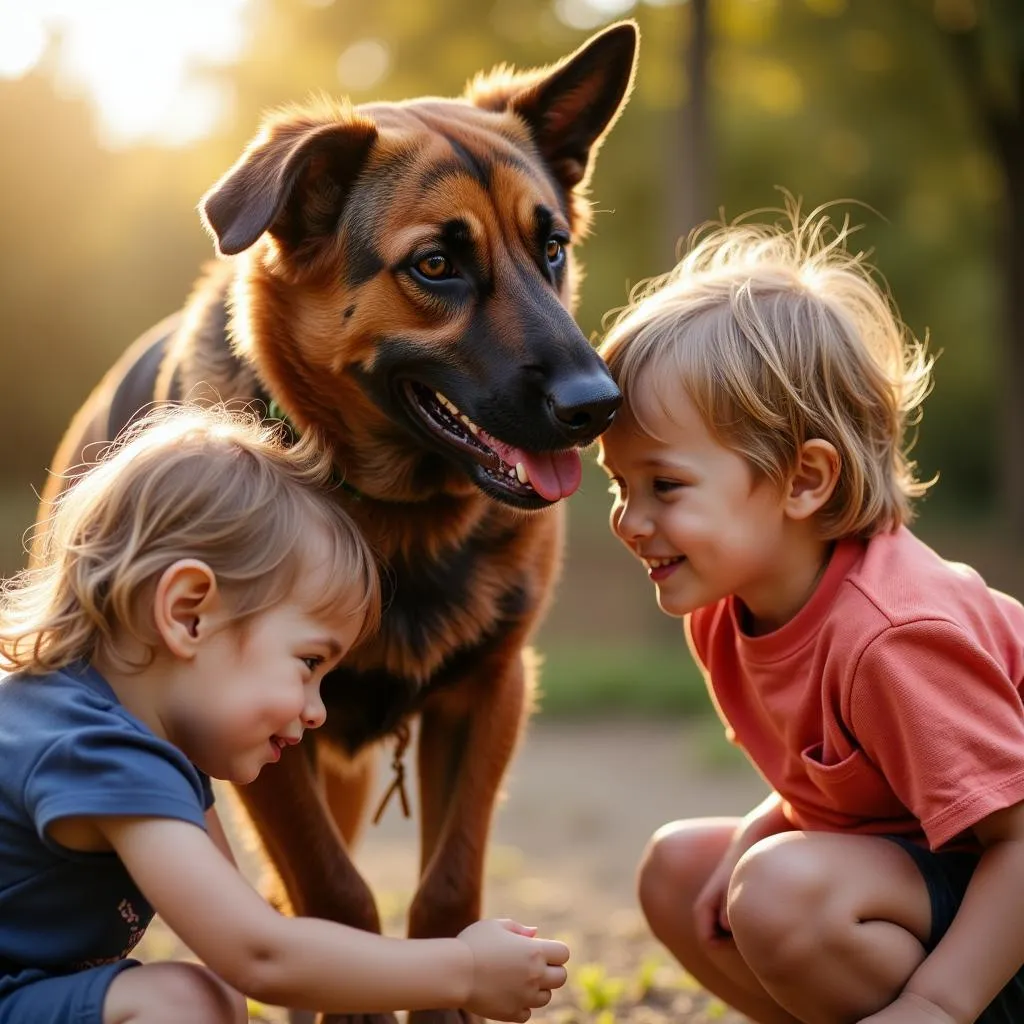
pixel 60 998
pixel 947 875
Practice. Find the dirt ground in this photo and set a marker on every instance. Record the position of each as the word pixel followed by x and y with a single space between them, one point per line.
pixel 582 799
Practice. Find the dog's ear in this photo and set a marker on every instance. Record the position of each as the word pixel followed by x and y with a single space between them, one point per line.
pixel 291 180
pixel 570 106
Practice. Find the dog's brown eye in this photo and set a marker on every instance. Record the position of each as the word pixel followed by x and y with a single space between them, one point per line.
pixel 435 266
pixel 554 251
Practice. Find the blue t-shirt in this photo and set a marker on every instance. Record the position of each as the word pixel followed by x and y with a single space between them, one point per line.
pixel 69 748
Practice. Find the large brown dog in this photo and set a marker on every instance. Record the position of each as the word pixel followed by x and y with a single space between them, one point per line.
pixel 401 281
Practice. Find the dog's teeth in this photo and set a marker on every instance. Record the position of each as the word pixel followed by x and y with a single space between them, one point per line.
pixel 521 473
pixel 473 428
pixel 447 403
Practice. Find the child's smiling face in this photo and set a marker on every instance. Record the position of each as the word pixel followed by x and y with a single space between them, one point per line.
pixel 696 514
pixel 239 692
pixel 255 690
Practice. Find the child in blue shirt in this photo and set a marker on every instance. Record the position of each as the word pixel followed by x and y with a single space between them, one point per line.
pixel 193 590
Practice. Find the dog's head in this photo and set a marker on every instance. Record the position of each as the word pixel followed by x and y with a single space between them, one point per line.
pixel 406 277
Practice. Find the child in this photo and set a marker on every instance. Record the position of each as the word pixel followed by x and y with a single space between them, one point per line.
pixel 759 472
pixel 195 588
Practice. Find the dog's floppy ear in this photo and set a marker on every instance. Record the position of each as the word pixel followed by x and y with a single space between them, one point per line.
pixel 571 106
pixel 292 178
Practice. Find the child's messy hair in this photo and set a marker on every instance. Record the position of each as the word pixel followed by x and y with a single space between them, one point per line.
pixel 184 482
pixel 780 335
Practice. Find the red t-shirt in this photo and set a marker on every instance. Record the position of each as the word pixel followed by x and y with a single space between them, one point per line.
pixel 891 703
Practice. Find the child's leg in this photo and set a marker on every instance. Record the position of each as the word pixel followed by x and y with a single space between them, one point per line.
pixel 125 992
pixel 678 861
pixel 169 993
pixel 831 925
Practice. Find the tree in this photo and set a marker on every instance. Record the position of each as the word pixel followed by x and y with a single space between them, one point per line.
pixel 986 46
pixel 691 156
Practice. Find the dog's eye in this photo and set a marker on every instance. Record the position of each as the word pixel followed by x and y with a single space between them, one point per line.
pixel 435 267
pixel 555 252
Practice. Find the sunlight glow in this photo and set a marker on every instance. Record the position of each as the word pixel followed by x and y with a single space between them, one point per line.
pixel 22 42
pixel 363 64
pixel 589 14
pixel 138 61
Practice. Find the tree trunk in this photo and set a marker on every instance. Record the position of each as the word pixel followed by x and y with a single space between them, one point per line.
pixel 690 145
pixel 1002 118
pixel 1006 129
pixel 1013 378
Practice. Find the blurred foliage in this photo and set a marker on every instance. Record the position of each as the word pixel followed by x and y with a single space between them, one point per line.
pixel 830 99
pixel 655 680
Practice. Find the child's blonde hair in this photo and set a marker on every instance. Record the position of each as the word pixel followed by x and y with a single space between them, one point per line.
pixel 184 482
pixel 779 335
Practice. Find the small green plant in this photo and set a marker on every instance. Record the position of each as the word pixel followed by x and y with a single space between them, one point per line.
pixel 256 1010
pixel 393 906
pixel 688 983
pixel 716 1009
pixel 646 977
pixel 599 993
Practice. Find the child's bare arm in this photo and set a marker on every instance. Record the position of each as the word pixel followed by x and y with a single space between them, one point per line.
pixel 710 912
pixel 320 965
pixel 219 837
pixel 766 819
pixel 984 946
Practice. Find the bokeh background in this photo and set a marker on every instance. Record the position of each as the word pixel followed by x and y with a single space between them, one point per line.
pixel 116 115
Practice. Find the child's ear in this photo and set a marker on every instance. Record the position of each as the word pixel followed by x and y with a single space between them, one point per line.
pixel 185 604
pixel 813 480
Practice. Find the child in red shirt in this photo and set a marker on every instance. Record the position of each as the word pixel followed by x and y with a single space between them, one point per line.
pixel 759 472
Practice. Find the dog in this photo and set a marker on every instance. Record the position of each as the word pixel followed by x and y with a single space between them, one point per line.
pixel 399 277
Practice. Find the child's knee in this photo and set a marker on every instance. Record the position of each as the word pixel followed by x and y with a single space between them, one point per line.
pixel 207 997
pixel 664 866
pixel 674 866
pixel 211 998
pixel 173 991
pixel 778 907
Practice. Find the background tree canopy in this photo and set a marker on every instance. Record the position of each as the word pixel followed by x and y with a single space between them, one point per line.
pixel 909 111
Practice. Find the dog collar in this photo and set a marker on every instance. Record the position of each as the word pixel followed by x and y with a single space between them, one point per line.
pixel 275 412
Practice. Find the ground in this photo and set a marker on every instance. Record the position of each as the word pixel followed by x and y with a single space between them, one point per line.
pixel 582 799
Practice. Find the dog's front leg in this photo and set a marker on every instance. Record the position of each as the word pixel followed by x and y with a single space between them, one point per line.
pixel 308 853
pixel 468 734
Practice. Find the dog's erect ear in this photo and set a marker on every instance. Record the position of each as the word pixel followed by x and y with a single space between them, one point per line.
pixel 572 105
pixel 291 180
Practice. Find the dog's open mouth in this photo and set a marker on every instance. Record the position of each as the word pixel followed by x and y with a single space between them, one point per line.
pixel 524 474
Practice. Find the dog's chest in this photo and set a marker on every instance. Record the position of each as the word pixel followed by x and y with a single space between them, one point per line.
pixel 440 619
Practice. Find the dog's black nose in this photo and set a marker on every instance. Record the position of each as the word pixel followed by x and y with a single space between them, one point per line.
pixel 584 407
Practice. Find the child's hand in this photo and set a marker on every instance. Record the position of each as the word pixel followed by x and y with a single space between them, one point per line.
pixel 709 909
pixel 513 972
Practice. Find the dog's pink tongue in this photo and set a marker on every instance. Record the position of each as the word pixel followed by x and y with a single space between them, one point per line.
pixel 554 475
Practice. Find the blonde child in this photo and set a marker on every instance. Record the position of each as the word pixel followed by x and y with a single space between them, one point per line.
pixel 760 474
pixel 196 586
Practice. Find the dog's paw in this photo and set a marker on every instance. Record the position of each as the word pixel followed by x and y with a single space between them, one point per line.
pixel 443 1017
